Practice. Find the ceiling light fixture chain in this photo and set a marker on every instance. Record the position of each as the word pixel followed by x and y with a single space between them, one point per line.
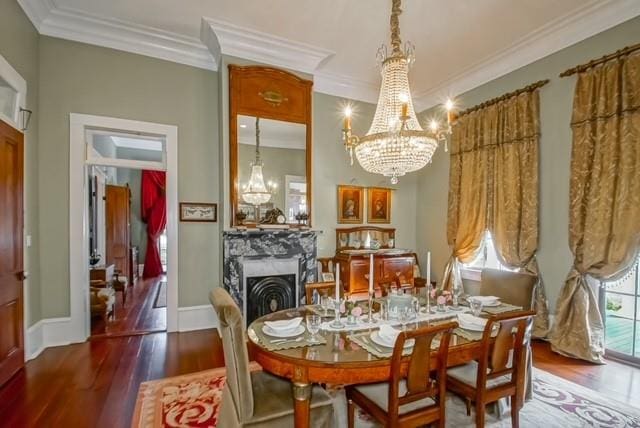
pixel 395 143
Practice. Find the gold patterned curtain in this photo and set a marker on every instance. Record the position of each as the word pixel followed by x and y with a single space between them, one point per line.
pixel 493 185
pixel 604 211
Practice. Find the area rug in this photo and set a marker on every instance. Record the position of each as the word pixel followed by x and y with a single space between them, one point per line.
pixel 193 400
pixel 161 295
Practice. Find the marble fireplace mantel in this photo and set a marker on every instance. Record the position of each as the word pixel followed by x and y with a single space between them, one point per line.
pixel 249 246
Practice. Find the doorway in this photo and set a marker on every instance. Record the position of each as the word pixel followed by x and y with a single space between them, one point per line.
pixel 620 307
pixel 83 131
pixel 126 297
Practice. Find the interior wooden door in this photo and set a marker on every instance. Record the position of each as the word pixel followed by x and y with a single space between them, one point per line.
pixel 117 207
pixel 11 261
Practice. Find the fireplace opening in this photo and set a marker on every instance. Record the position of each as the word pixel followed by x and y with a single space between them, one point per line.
pixel 267 294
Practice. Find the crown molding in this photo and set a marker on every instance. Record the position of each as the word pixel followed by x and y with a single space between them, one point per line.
pixel 228 39
pixel 346 87
pixel 70 24
pixel 594 17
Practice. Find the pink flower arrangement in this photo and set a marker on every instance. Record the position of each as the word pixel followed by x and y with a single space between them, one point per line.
pixel 441 296
pixel 356 311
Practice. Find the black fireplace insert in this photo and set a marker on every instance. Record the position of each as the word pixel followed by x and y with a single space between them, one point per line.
pixel 266 294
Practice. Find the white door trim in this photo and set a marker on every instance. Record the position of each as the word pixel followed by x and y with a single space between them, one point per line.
pixel 78 215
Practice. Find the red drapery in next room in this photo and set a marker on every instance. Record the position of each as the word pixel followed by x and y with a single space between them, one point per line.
pixel 154 213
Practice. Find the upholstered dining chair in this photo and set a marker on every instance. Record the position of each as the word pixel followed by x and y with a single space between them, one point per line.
pixel 500 368
pixel 411 400
pixel 515 288
pixel 256 398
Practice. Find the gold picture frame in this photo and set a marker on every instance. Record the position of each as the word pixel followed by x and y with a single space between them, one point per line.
pixel 350 204
pixel 378 205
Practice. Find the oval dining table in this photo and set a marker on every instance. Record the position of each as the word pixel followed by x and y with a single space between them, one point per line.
pixel 339 361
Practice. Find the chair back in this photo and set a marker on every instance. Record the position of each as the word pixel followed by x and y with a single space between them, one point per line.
pixel 328 287
pixel 515 288
pixel 419 381
pixel 236 356
pixel 504 355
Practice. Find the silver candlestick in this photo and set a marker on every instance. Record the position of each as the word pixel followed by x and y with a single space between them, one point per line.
pixel 336 323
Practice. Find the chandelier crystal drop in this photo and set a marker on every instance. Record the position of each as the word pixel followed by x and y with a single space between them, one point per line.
pixel 395 143
pixel 255 192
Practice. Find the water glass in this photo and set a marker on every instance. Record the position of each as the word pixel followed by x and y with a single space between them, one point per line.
pixel 457 292
pixel 404 317
pixel 325 303
pixel 476 306
pixel 313 325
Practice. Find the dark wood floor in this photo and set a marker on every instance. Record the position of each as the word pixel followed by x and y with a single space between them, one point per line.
pixel 138 315
pixel 94 384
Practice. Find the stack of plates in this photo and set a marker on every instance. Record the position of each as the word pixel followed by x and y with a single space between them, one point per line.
pixel 488 301
pixel 387 336
pixel 283 328
pixel 471 322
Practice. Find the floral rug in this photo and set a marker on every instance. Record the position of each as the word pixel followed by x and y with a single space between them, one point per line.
pixel 193 400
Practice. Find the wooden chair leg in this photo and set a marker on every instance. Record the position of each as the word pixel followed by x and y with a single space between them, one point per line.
pixel 479 414
pixel 467 401
pixel 515 412
pixel 351 413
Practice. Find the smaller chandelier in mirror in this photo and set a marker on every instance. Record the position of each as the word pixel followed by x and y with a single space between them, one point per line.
pixel 255 192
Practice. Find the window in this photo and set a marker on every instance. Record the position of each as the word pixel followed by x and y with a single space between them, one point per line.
pixel 620 308
pixel 13 91
pixel 487 257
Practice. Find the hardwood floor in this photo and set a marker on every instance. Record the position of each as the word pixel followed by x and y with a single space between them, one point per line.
pixel 138 315
pixel 94 384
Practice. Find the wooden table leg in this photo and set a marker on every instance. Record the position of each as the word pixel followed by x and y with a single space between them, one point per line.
pixel 302 402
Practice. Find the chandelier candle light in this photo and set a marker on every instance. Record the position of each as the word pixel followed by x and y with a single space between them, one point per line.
pixel 255 192
pixel 395 143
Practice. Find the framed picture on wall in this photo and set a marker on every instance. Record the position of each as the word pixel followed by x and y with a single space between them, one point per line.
pixel 350 204
pixel 378 205
pixel 198 211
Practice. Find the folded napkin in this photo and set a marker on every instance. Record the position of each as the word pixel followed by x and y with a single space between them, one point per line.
pixel 468 320
pixel 283 325
pixel 388 333
pixel 486 300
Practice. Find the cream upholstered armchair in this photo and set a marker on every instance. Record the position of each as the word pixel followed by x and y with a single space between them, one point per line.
pixel 256 399
pixel 515 288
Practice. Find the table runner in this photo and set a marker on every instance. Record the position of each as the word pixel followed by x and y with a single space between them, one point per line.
pixel 363 325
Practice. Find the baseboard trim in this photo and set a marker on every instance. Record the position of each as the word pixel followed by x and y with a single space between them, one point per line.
pixel 46 333
pixel 197 318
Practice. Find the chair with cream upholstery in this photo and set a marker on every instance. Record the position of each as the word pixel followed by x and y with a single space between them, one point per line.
pixel 515 288
pixel 256 398
pixel 500 368
pixel 416 399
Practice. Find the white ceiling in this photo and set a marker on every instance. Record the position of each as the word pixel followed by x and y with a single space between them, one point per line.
pixel 273 133
pixel 459 44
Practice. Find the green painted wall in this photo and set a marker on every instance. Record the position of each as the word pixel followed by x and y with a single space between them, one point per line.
pixel 79 78
pixel 555 151
pixel 331 167
pixel 19 43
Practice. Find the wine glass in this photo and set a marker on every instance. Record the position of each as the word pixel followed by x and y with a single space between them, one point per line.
pixel 476 306
pixel 313 325
pixel 324 303
pixel 457 292
pixel 404 317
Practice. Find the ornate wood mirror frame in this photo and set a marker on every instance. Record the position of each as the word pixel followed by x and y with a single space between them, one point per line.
pixel 267 93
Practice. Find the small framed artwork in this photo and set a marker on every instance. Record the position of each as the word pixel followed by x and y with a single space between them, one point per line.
pixel 328 277
pixel 198 211
pixel 378 205
pixel 350 204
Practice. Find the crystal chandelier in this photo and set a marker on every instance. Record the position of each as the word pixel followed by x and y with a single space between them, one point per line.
pixel 395 143
pixel 255 192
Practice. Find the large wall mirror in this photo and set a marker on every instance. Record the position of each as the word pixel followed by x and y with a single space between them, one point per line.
pixel 270 142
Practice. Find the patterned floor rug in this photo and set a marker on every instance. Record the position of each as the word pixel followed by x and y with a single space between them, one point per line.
pixel 193 400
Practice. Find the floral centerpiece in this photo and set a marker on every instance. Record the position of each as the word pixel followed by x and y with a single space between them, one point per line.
pixel 442 298
pixel 352 310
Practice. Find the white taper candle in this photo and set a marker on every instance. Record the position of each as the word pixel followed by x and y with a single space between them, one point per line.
pixel 337 282
pixel 371 273
pixel 428 269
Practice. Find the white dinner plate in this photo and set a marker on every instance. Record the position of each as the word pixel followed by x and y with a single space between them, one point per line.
pixel 493 304
pixel 380 341
pixel 283 333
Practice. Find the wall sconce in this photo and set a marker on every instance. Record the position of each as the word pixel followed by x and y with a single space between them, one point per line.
pixel 25 118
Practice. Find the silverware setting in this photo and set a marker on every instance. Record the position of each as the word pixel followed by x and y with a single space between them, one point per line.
pixel 281 341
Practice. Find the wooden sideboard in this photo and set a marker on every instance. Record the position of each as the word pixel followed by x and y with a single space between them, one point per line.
pixel 390 264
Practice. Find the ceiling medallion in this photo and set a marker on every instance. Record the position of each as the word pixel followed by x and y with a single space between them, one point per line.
pixel 395 143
